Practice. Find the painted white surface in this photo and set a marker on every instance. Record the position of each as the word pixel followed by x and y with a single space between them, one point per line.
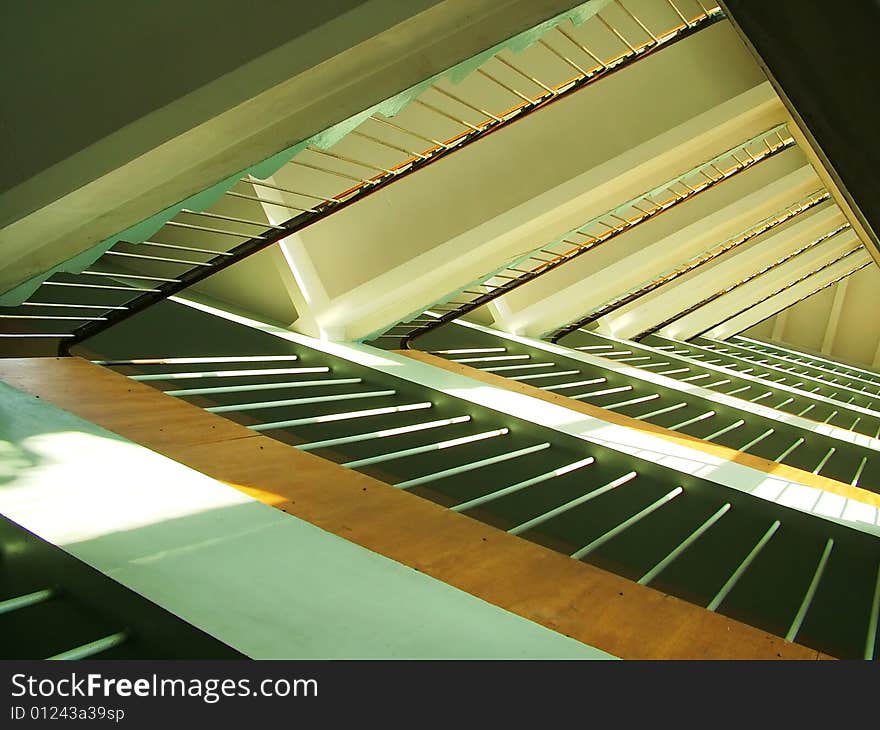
pixel 269 584
pixel 813 284
pixel 411 252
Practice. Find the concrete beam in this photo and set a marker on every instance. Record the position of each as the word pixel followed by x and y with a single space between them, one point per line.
pixel 834 317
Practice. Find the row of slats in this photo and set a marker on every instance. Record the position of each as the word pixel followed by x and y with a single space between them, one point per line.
pixel 682 411
pixel 589 502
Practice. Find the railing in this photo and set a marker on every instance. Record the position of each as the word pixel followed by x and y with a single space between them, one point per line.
pixel 852 388
pixel 655 283
pixel 746 412
pixel 712 545
pixel 838 389
pixel 109 293
pixel 818 362
pixel 598 231
pixel 790 285
pixel 715 296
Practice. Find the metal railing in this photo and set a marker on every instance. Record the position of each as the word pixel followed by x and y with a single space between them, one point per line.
pixel 581 498
pixel 819 362
pixel 790 285
pixel 125 279
pixel 743 281
pixel 823 367
pixel 669 386
pixel 837 393
pixel 598 231
pixel 777 219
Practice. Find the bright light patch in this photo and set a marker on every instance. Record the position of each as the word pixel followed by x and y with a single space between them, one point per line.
pixel 830 505
pixel 860 512
pixel 84 486
pixel 800 497
pixel 297 275
pixel 770 489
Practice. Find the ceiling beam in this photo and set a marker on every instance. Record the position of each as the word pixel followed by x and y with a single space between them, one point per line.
pixel 779 323
pixel 786 299
pixel 745 280
pixel 834 318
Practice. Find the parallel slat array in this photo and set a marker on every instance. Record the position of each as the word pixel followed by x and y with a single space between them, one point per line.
pixel 732 422
pixel 600 230
pixel 727 247
pixel 686 536
pixel 832 375
pixel 843 391
pixel 819 362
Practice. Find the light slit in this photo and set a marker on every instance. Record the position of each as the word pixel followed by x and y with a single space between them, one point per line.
pixel 478 501
pixel 384 433
pixel 855 481
pixel 92 648
pixel 695 419
pixel 684 545
pixel 237 407
pixel 583 499
pixel 469 351
pixel 626 524
pixel 631 401
pixel 726 429
pixel 504 368
pixel 403 453
pixel 261 386
pixel 660 411
pixel 544 375
pixel 575 384
pixel 222 374
pixel 198 360
pixel 471 467
pixel 755 441
pixel 811 592
pixel 606 391
pixel 789 450
pixel 28 599
pixel 824 460
pixel 332 417
pixel 493 358
pixel 743 567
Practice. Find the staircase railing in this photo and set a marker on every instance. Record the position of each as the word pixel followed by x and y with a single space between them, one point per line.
pixel 125 293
